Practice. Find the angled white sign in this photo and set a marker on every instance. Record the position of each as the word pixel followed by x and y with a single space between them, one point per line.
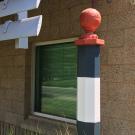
pixel 8 7
pixel 23 28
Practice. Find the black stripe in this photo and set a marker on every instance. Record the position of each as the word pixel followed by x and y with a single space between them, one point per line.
pixel 88 128
pixel 88 61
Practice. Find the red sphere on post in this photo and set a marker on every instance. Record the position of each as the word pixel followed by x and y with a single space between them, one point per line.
pixel 90 19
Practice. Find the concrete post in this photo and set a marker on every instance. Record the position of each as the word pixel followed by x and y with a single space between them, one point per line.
pixel 88 74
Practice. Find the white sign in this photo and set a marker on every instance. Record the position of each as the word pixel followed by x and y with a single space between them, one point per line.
pixel 8 7
pixel 22 28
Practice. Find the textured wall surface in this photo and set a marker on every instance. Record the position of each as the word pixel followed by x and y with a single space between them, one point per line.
pixel 61 20
pixel 118 67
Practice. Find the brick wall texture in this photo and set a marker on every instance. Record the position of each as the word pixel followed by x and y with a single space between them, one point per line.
pixel 118 67
pixel 61 20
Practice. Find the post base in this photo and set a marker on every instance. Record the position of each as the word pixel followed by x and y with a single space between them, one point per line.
pixel 89 39
pixel 88 128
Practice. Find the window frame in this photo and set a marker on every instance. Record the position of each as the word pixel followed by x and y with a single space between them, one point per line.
pixel 33 90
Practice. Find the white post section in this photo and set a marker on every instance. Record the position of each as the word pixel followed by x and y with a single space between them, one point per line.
pixel 22 15
pixel 22 42
pixel 88 99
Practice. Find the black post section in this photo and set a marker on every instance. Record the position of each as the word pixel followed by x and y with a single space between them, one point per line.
pixel 88 61
pixel 88 128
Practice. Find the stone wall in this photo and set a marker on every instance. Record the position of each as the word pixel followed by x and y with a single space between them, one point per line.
pixel 12 83
pixel 118 67
pixel 61 20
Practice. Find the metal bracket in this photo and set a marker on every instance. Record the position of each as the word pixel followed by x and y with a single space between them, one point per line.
pixel 132 2
pixel 6 25
pixel 5 3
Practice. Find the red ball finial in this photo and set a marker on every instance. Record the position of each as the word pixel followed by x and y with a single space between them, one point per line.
pixel 90 19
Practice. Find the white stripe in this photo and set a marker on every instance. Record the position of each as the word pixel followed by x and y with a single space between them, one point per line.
pixel 88 99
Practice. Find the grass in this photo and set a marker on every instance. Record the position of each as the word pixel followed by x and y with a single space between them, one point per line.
pixel 61 83
pixel 59 97
pixel 12 131
pixel 59 101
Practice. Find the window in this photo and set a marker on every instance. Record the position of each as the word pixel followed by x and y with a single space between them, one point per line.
pixel 55 80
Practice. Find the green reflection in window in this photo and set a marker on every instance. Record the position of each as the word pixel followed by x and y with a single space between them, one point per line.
pixel 56 67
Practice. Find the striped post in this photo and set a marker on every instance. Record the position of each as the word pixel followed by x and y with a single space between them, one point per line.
pixel 88 75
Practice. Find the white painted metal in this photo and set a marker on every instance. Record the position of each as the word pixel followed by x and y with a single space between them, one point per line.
pixel 22 15
pixel 88 99
pixel 22 42
pixel 23 28
pixel 8 7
